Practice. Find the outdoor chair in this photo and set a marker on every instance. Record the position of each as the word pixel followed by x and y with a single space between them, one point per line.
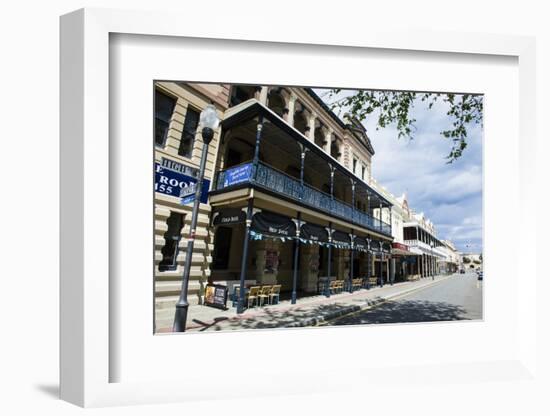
pixel 339 286
pixel 263 295
pixel 253 295
pixel 332 286
pixel 274 294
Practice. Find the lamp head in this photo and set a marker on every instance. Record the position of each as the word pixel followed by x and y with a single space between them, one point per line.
pixel 209 121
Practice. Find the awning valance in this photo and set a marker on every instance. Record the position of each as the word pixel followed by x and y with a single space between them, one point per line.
pixel 341 238
pixel 229 216
pixel 375 245
pixel 360 244
pixel 313 233
pixel 276 225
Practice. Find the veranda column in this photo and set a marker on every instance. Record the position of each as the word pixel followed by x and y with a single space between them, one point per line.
pixel 328 140
pixel 368 265
pixel 352 237
pixel 296 254
pixel 423 265
pixel 327 289
pixel 330 230
pixel 244 259
pixel 263 95
pixel 380 216
pixel 388 277
pixel 311 125
pixel 291 108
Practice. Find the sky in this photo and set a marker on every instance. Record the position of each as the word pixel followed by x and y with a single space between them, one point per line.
pixel 450 195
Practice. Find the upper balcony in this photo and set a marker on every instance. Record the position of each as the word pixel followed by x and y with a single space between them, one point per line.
pixel 260 150
pixel 416 237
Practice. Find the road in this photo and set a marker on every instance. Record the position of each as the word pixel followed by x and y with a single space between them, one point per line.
pixel 456 298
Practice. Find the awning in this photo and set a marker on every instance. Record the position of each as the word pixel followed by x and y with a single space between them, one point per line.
pixel 375 245
pixel 400 249
pixel 268 223
pixel 359 243
pixel 340 238
pixel 229 216
pixel 313 233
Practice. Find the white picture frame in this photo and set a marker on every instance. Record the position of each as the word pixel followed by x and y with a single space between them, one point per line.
pixel 86 352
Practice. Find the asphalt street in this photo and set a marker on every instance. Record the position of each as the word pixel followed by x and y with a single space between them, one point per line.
pixel 456 298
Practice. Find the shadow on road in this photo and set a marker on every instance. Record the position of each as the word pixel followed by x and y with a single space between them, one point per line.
pixel 280 319
pixel 405 311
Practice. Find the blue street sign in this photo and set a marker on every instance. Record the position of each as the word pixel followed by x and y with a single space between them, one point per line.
pixel 169 182
pixel 238 174
pixel 188 199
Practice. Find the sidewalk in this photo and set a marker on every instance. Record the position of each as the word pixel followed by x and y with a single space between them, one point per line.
pixel 307 311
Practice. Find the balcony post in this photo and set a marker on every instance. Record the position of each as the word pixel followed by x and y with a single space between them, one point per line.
pixel 391 221
pixel 296 254
pixel 331 181
pixel 368 263
pixel 352 237
pixel 368 208
pixel 380 216
pixel 327 292
pixel 352 199
pixel 302 163
pixel 256 159
pixel 331 187
pixel 244 258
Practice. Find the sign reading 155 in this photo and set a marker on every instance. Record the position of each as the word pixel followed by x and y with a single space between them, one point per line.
pixel 174 183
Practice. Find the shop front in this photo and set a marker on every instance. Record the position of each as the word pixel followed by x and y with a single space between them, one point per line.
pixel 303 257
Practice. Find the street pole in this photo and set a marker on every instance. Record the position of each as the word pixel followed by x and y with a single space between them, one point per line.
pixel 209 121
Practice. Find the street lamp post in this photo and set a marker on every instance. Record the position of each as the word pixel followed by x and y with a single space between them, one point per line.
pixel 209 121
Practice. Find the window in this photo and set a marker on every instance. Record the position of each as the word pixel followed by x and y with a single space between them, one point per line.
pixel 189 130
pixel 363 172
pixel 222 248
pixel 164 107
pixel 172 237
pixel 354 165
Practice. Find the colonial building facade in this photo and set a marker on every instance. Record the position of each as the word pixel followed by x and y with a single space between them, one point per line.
pixel 178 150
pixel 288 197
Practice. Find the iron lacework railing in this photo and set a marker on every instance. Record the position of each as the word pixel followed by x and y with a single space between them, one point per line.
pixel 279 182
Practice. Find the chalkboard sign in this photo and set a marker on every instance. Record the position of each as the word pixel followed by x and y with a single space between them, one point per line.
pixel 215 296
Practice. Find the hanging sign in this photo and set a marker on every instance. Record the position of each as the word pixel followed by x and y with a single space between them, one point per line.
pixel 273 224
pixel 169 182
pixel 237 174
pixel 230 216
pixel 215 296
pixel 313 233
